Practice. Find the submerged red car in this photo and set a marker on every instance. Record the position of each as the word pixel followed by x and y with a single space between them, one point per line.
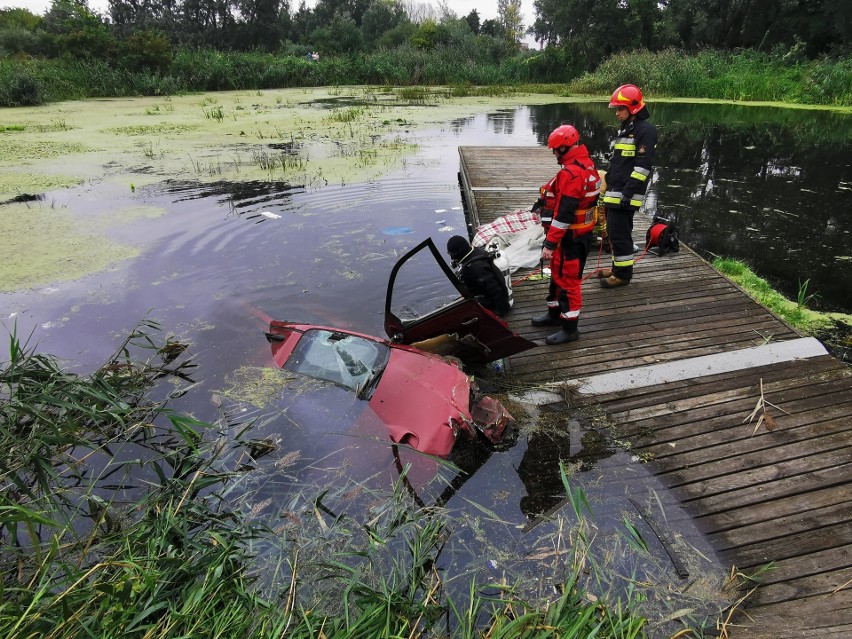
pixel 407 383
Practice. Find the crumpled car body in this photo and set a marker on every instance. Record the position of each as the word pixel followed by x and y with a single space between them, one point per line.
pixel 422 400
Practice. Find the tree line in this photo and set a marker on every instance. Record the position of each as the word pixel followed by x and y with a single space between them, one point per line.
pixel 145 33
pixel 592 30
pixel 576 34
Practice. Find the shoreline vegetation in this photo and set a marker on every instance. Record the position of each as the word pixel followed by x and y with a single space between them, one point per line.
pixel 125 518
pixel 833 329
pixel 743 75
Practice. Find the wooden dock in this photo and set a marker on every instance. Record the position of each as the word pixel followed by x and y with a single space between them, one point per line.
pixel 679 360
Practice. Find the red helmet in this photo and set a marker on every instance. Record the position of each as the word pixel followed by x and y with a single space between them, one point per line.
pixel 565 135
pixel 627 95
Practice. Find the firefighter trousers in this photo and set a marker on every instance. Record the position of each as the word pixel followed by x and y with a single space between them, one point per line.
pixel 566 274
pixel 619 224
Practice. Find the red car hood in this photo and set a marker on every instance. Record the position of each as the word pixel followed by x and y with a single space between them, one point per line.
pixel 418 396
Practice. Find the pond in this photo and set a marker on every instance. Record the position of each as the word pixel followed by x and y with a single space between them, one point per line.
pixel 215 260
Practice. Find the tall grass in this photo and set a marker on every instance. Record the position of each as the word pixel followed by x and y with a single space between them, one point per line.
pixel 30 81
pixel 740 75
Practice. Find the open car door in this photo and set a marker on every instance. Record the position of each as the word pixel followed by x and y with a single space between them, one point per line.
pixel 436 313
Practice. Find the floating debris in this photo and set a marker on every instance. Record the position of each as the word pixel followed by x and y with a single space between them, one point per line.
pixel 270 215
pixel 397 230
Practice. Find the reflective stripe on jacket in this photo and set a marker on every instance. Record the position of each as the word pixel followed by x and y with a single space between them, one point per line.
pixel 631 164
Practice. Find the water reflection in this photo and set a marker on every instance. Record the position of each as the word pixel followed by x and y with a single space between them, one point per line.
pixel 767 185
pixel 574 444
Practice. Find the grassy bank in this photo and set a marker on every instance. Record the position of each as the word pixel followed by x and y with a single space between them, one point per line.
pixel 122 518
pixel 833 328
pixel 747 75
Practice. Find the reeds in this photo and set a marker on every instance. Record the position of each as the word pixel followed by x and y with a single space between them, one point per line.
pixel 723 75
pixel 740 75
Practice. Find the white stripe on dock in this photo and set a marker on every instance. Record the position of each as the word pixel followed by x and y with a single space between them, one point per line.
pixel 695 367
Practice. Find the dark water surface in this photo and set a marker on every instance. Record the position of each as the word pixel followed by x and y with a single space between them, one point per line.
pixel 770 186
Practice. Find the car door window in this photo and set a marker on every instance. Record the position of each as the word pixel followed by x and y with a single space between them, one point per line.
pixel 421 287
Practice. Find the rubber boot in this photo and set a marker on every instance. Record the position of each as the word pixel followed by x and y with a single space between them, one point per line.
pixel 604 273
pixel 612 282
pixel 551 318
pixel 568 333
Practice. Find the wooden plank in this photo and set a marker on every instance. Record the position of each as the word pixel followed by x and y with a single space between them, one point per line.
pixel 734 402
pixel 639 397
pixel 800 485
pixel 797 545
pixel 819 616
pixel 702 447
pixel 716 482
pixel 823 583
pixel 769 513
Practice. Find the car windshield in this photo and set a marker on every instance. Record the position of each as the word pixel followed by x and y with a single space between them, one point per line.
pixel 343 359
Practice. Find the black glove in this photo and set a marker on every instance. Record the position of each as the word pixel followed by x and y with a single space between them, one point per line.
pixel 537 205
pixel 625 203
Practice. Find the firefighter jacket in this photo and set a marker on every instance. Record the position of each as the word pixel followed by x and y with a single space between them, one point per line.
pixel 484 280
pixel 570 197
pixel 631 164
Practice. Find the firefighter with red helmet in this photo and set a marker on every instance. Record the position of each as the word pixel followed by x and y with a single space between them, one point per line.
pixel 627 179
pixel 568 213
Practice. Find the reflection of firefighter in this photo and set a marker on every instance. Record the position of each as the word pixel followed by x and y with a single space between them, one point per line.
pixel 568 216
pixel 539 468
pixel 627 179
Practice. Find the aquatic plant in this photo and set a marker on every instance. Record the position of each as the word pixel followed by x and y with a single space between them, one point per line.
pixel 214 113
pixel 802 297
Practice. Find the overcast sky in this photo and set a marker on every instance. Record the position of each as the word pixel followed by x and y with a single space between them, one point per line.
pixel 487 8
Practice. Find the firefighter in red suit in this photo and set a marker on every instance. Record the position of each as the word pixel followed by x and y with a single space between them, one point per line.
pixel 568 215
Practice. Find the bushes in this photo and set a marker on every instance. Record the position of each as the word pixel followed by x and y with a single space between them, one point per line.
pixel 19 87
pixel 145 51
pixel 18 40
